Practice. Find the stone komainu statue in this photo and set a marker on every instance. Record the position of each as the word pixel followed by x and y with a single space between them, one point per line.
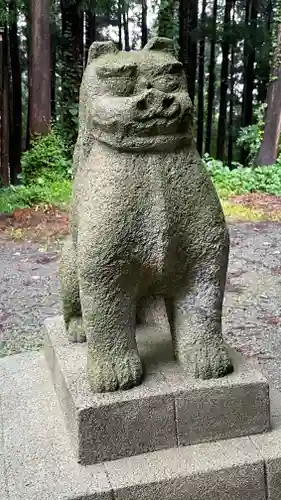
pixel 145 222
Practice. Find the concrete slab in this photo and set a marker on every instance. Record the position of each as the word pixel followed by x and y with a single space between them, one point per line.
pixel 269 445
pixel 38 455
pixel 40 462
pixel 170 408
pixel 226 470
pixel 3 485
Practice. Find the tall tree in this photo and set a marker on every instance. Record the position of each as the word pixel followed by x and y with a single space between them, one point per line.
pixel 270 144
pixel 263 62
pixel 212 79
pixel 249 62
pixel 54 45
pixel 188 20
pixel 231 99
pixel 119 15
pixel 91 27
pixel 16 95
pixel 249 75
pixel 4 123
pixel 40 70
pixel 143 23
pixel 72 49
pixel 27 14
pixel 125 16
pixel 224 81
pixel 201 78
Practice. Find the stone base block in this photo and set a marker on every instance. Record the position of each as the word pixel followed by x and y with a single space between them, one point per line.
pixel 168 410
pixel 37 462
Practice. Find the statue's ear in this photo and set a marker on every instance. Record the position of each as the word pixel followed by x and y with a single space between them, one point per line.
pixel 98 49
pixel 161 44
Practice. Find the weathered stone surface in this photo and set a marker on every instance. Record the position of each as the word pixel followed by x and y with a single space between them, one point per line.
pixel 170 408
pixel 108 426
pixel 40 464
pixel 225 470
pixel 269 445
pixel 39 460
pixel 239 405
pixel 146 220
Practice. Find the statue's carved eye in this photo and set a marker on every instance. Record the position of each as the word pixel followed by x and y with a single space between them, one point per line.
pixel 168 83
pixel 119 86
pixel 125 71
pixel 118 80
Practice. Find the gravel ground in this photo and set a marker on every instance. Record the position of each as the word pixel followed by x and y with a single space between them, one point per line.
pixel 29 293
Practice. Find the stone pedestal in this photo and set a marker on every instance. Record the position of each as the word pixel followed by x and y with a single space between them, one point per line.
pixel 38 459
pixel 170 409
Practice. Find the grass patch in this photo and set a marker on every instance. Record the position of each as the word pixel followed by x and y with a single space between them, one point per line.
pixel 241 212
pixel 57 193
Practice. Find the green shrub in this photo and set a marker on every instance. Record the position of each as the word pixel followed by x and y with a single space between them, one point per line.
pixel 250 137
pixel 47 159
pixel 243 180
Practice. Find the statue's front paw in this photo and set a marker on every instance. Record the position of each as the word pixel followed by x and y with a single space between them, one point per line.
pixel 108 373
pixel 212 362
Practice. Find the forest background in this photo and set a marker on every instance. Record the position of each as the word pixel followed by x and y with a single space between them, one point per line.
pixel 231 52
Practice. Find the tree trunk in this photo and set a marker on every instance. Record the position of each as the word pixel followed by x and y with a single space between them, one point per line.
pixel 29 73
pixel 263 69
pixel 4 164
pixel 188 20
pixel 224 82
pixel 212 80
pixel 249 61
pixel 91 28
pixel 201 78
pixel 53 69
pixel 15 146
pixel 120 44
pixel 72 64
pixel 247 106
pixel 40 90
pixel 144 23
pixel 231 106
pixel 126 24
pixel 272 130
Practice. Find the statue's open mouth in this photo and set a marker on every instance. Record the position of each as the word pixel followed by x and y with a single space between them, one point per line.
pixel 164 114
pixel 158 126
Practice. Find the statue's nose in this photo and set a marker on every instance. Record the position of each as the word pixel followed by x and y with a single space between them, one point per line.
pixel 155 103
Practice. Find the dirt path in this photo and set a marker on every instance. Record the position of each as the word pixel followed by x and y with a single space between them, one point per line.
pixel 29 292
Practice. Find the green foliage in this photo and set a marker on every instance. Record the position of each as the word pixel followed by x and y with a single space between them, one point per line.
pixel 46 174
pixel 243 180
pixel 167 21
pixel 57 192
pixel 240 180
pixel 250 138
pixel 47 159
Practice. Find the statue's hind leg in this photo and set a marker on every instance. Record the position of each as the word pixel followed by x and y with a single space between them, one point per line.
pixel 70 294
